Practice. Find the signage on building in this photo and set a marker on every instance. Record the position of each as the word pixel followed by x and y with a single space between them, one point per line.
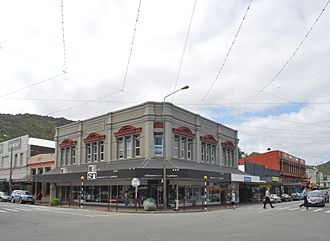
pixel 247 179
pixel 275 179
pixel 91 175
pixel 14 144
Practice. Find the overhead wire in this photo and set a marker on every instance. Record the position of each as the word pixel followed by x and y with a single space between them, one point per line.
pixel 132 43
pixel 297 48
pixel 184 48
pixel 63 38
pixel 229 51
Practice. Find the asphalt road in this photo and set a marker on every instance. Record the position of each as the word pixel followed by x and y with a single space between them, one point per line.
pixel 285 222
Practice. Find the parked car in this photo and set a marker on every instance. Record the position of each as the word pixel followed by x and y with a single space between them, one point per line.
pixel 325 193
pixel 286 198
pixel 22 196
pixel 316 198
pixel 274 198
pixel 4 197
pixel 295 196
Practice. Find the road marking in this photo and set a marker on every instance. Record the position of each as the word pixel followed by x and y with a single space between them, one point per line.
pixel 2 211
pixel 24 209
pixel 328 211
pixel 317 210
pixel 293 209
pixel 113 214
pixel 283 208
pixel 8 209
pixel 67 213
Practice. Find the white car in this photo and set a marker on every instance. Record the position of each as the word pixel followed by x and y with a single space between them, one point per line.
pixel 274 198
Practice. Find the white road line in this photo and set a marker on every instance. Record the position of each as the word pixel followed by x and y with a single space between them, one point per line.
pixel 293 209
pixel 283 208
pixel 327 211
pixel 23 209
pixel 2 211
pixel 8 209
pixel 67 213
pixel 317 210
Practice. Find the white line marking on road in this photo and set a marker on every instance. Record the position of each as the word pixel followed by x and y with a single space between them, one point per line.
pixel 68 213
pixel 283 208
pixel 328 211
pixel 22 209
pixel 2 211
pixel 317 210
pixel 8 209
pixel 293 209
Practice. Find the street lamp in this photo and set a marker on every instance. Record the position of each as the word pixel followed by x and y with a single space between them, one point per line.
pixel 164 149
pixel 82 192
pixel 205 192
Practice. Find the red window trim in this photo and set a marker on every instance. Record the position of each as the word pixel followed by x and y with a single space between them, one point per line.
pixel 209 138
pixel 94 137
pixel 67 143
pixel 185 131
pixel 127 130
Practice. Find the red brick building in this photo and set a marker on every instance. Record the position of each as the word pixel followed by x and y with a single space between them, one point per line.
pixel 292 169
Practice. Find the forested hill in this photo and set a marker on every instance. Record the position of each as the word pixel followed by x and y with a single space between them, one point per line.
pixel 325 168
pixel 12 126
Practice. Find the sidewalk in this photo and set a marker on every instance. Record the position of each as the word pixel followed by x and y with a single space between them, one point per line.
pixel 122 209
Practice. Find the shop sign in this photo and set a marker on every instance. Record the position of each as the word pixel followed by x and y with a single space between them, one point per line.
pixel 14 144
pixel 247 179
pixel 275 179
pixel 91 175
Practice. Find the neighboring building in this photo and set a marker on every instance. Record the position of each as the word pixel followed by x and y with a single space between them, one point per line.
pixel 326 181
pixel 292 169
pixel 254 191
pixel 38 165
pixel 129 143
pixel 14 154
pixel 315 177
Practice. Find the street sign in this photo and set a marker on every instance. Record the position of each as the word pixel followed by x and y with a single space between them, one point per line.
pixel 135 182
pixel 91 175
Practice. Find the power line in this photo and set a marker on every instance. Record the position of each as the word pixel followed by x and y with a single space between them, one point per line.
pixel 63 39
pixel 30 86
pixel 295 103
pixel 296 50
pixel 229 51
pixel 131 49
pixel 272 117
pixel 184 48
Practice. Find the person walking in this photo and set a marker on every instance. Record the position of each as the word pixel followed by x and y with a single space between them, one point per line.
pixel 267 198
pixel 305 195
pixel 233 199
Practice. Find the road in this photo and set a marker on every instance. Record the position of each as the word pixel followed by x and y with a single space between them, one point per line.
pixel 251 222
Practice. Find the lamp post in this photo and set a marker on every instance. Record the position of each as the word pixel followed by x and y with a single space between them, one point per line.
pixel 82 192
pixel 205 193
pixel 164 149
pixel 11 171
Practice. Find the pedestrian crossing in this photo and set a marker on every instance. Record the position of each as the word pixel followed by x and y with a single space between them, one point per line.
pixel 295 209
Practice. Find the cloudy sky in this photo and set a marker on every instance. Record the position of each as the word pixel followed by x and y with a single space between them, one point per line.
pixel 252 82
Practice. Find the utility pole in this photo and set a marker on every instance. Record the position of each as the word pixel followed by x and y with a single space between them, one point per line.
pixel 11 171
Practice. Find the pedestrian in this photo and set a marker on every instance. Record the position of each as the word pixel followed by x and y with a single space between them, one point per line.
pixel 305 195
pixel 126 201
pixel 233 199
pixel 267 198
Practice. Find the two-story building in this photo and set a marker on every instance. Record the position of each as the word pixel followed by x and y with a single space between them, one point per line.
pixel 129 143
pixel 14 155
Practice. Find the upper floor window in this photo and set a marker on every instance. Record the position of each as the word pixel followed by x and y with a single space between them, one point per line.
pixel 94 147
pixel 203 147
pixel 158 144
pixel 189 149
pixel 68 152
pixel 128 146
pixel 208 153
pixel 183 147
pixel 176 146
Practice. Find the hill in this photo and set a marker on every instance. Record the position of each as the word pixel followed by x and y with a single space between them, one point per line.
pixel 325 168
pixel 37 126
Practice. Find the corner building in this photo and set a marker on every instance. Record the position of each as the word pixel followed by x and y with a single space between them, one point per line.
pixel 129 143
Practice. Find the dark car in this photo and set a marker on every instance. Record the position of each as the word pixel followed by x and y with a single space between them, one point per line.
pixel 22 196
pixel 286 198
pixel 326 195
pixel 295 196
pixel 316 198
pixel 4 197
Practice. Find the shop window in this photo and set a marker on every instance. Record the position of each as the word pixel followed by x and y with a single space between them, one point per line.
pixel 47 188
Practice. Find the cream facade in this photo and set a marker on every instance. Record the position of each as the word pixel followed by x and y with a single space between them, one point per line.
pixel 129 143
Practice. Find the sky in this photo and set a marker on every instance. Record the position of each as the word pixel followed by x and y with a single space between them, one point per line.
pixel 260 67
